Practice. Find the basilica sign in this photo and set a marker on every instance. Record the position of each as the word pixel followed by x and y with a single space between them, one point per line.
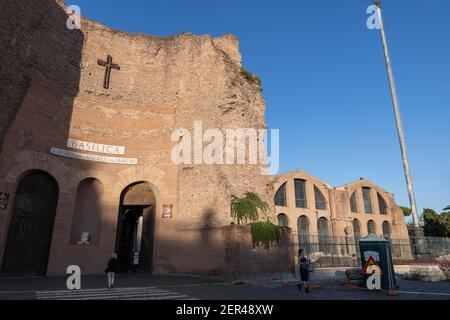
pixel 91 157
pixel 94 147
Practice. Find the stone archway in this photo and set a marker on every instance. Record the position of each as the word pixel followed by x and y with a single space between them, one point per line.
pixel 136 227
pixel 31 228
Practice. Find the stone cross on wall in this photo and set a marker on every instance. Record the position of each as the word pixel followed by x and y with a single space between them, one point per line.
pixel 109 65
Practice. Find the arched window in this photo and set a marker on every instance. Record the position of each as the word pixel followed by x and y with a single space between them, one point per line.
pixel 356 234
pixel 382 204
pixel 353 203
pixel 386 229
pixel 280 196
pixel 321 204
pixel 356 230
pixel 87 211
pixel 324 236
pixel 367 200
pixel 371 227
pixel 303 233
pixel 300 193
pixel 283 220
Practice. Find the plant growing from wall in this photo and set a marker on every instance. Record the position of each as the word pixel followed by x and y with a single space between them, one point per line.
pixel 247 210
pixel 251 77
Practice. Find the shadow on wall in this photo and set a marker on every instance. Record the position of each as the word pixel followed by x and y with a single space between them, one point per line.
pixel 227 254
pixel 39 78
pixel 37 47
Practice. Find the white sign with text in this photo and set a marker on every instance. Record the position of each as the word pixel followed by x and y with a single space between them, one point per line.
pixel 94 147
pixel 91 157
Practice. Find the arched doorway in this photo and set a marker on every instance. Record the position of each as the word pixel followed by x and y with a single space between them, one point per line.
pixel 135 228
pixel 30 231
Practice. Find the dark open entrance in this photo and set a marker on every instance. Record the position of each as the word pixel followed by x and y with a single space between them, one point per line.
pixel 135 228
pixel 30 232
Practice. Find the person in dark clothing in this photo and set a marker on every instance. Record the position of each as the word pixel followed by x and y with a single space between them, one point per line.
pixel 304 271
pixel 111 270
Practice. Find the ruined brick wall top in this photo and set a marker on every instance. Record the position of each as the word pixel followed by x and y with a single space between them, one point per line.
pixel 35 46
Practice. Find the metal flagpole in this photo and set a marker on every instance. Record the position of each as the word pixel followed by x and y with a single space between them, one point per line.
pixel 418 230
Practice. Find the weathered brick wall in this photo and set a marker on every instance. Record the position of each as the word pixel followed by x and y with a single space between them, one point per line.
pixel 245 263
pixel 164 83
pixel 168 83
pixel 227 253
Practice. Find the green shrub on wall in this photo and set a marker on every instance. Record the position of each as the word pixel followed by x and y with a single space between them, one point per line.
pixel 264 234
pixel 251 77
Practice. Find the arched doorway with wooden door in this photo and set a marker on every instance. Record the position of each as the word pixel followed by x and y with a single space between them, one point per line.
pixel 135 228
pixel 30 230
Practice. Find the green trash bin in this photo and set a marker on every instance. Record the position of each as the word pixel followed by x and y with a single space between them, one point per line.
pixel 380 249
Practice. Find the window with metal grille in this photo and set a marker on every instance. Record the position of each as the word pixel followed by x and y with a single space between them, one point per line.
pixel 386 229
pixel 371 227
pixel 283 220
pixel 303 233
pixel 353 204
pixel 321 204
pixel 367 200
pixel 356 233
pixel 382 204
pixel 280 196
pixel 300 193
pixel 356 230
pixel 324 236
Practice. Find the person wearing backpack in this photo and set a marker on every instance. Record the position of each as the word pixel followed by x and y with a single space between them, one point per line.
pixel 304 271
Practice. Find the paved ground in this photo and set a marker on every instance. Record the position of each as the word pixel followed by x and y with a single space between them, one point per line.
pixel 153 287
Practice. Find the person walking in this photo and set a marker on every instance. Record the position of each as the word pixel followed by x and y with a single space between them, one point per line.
pixel 111 270
pixel 304 271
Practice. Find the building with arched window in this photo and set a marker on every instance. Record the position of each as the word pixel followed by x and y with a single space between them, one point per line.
pixel 283 220
pixel 91 119
pixel 95 161
pixel 332 214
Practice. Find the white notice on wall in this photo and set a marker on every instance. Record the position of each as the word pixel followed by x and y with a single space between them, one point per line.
pixel 373 254
pixel 91 157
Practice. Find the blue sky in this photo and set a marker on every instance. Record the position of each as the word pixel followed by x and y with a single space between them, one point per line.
pixel 325 82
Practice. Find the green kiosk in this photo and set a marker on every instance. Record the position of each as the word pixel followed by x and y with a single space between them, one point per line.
pixel 377 251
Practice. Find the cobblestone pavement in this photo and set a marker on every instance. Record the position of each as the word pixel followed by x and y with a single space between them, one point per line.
pixel 210 289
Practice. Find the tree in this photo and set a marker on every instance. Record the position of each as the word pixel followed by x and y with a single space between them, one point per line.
pixel 436 225
pixel 406 211
pixel 247 209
